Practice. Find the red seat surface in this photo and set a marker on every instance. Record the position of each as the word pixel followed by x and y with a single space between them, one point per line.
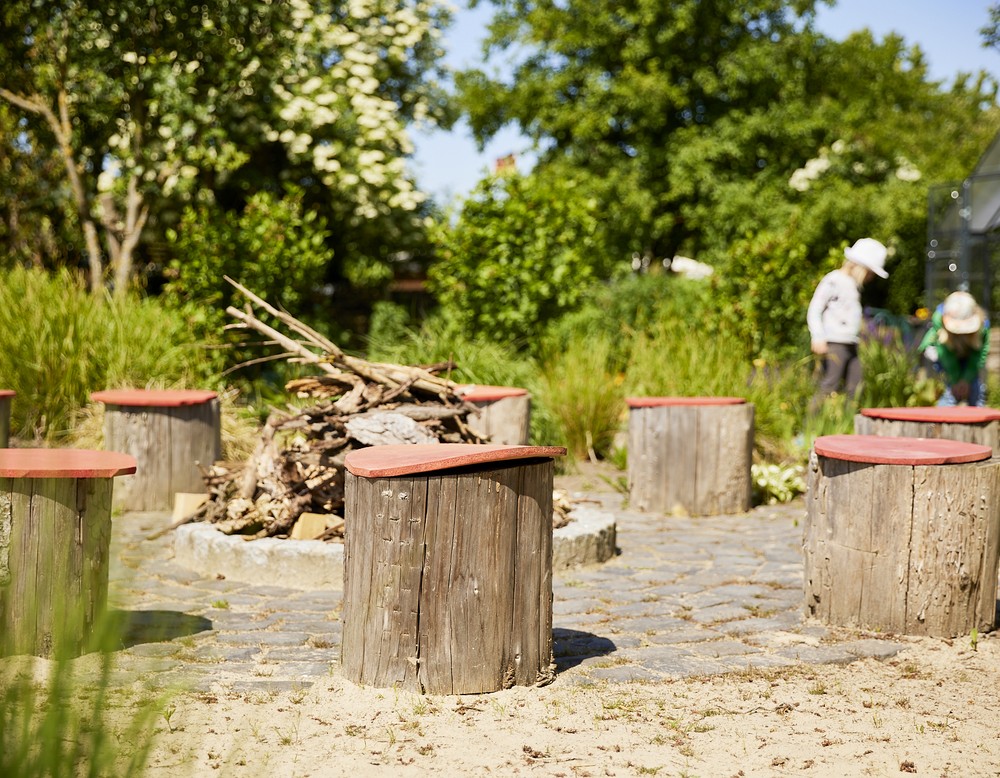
pixel 484 393
pixel 407 459
pixel 883 450
pixel 960 414
pixel 162 398
pixel 657 402
pixel 63 463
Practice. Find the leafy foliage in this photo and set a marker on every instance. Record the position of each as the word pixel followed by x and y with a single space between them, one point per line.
pixel 521 254
pixel 153 106
pixel 274 247
pixel 61 343
pixel 736 134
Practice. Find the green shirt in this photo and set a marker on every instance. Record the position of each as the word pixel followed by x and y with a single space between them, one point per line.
pixel 954 368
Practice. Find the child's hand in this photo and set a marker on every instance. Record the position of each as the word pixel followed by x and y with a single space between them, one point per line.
pixel 960 390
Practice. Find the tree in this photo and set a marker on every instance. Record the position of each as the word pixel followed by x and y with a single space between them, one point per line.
pixel 152 105
pixel 607 86
pixel 735 133
pixel 522 252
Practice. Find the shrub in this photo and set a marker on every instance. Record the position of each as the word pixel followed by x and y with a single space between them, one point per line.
pixel 60 343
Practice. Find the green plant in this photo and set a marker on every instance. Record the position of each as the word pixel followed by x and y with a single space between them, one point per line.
pixel 584 397
pixel 521 254
pixel 75 722
pixel 60 343
pixel 892 374
pixel 773 484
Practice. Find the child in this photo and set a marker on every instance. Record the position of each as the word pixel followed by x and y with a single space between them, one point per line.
pixel 957 344
pixel 834 315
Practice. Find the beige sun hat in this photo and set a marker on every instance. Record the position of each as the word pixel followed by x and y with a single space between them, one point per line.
pixel 961 314
pixel 868 253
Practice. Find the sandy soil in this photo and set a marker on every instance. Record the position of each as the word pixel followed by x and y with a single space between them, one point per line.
pixel 932 710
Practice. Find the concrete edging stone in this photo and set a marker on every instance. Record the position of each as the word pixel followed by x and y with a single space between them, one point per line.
pixel 314 564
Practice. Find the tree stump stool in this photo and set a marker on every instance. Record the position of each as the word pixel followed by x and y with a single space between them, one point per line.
pixel 690 455
pixel 448 567
pixel 504 412
pixel 55 528
pixel 902 534
pixel 971 425
pixel 169 432
pixel 6 396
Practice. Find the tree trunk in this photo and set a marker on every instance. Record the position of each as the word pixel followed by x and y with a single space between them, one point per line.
pixel 904 549
pixel 448 579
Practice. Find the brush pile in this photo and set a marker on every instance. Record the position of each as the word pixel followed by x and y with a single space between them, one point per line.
pixel 297 467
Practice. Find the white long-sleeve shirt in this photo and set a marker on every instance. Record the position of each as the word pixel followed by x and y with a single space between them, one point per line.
pixel 834 313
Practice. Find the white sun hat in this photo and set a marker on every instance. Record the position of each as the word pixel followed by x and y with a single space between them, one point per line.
pixel 961 314
pixel 868 253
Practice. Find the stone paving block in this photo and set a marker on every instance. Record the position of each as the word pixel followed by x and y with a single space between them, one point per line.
pixel 264 638
pixel 305 654
pixel 218 653
pixel 753 626
pixel 623 674
pixel 685 634
pixel 583 620
pixel 220 585
pixel 651 625
pixel 643 607
pixel 561 605
pixel 726 648
pixel 717 614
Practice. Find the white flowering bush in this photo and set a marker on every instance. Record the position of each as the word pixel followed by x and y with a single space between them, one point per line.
pixel 158 105
pixel 774 484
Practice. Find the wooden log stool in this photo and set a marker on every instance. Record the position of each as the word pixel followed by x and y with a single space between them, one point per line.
pixel 448 567
pixel 55 528
pixel 504 412
pixel 169 432
pixel 902 534
pixel 968 424
pixel 690 455
pixel 6 395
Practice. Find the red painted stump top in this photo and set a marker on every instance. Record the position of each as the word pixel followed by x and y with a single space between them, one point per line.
pixel 879 450
pixel 63 463
pixel 408 459
pixel 160 398
pixel 961 414
pixel 658 402
pixel 6 393
pixel 481 393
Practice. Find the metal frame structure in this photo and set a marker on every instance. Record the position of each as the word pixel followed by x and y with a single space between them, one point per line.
pixel 963 234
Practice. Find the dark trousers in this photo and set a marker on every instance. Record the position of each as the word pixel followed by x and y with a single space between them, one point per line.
pixel 841 370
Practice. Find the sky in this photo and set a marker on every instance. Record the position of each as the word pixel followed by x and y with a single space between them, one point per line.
pixel 448 165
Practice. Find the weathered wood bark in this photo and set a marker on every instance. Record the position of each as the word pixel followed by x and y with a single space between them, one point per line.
pixel 54 538
pixel 448 579
pixel 692 459
pixel 984 433
pixel 905 549
pixel 5 400
pixel 168 443
pixel 504 420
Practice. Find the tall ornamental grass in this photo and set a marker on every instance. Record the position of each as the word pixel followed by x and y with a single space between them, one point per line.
pixel 65 717
pixel 584 396
pixel 438 340
pixel 60 343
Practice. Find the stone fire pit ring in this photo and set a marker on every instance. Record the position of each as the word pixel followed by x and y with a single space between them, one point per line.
pixel 314 564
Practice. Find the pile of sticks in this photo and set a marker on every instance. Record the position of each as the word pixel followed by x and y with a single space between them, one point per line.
pixel 297 466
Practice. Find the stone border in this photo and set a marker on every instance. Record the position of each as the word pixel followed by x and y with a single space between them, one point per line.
pixel 315 564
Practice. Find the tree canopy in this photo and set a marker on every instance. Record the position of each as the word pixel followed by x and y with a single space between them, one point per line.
pixel 736 133
pixel 150 106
